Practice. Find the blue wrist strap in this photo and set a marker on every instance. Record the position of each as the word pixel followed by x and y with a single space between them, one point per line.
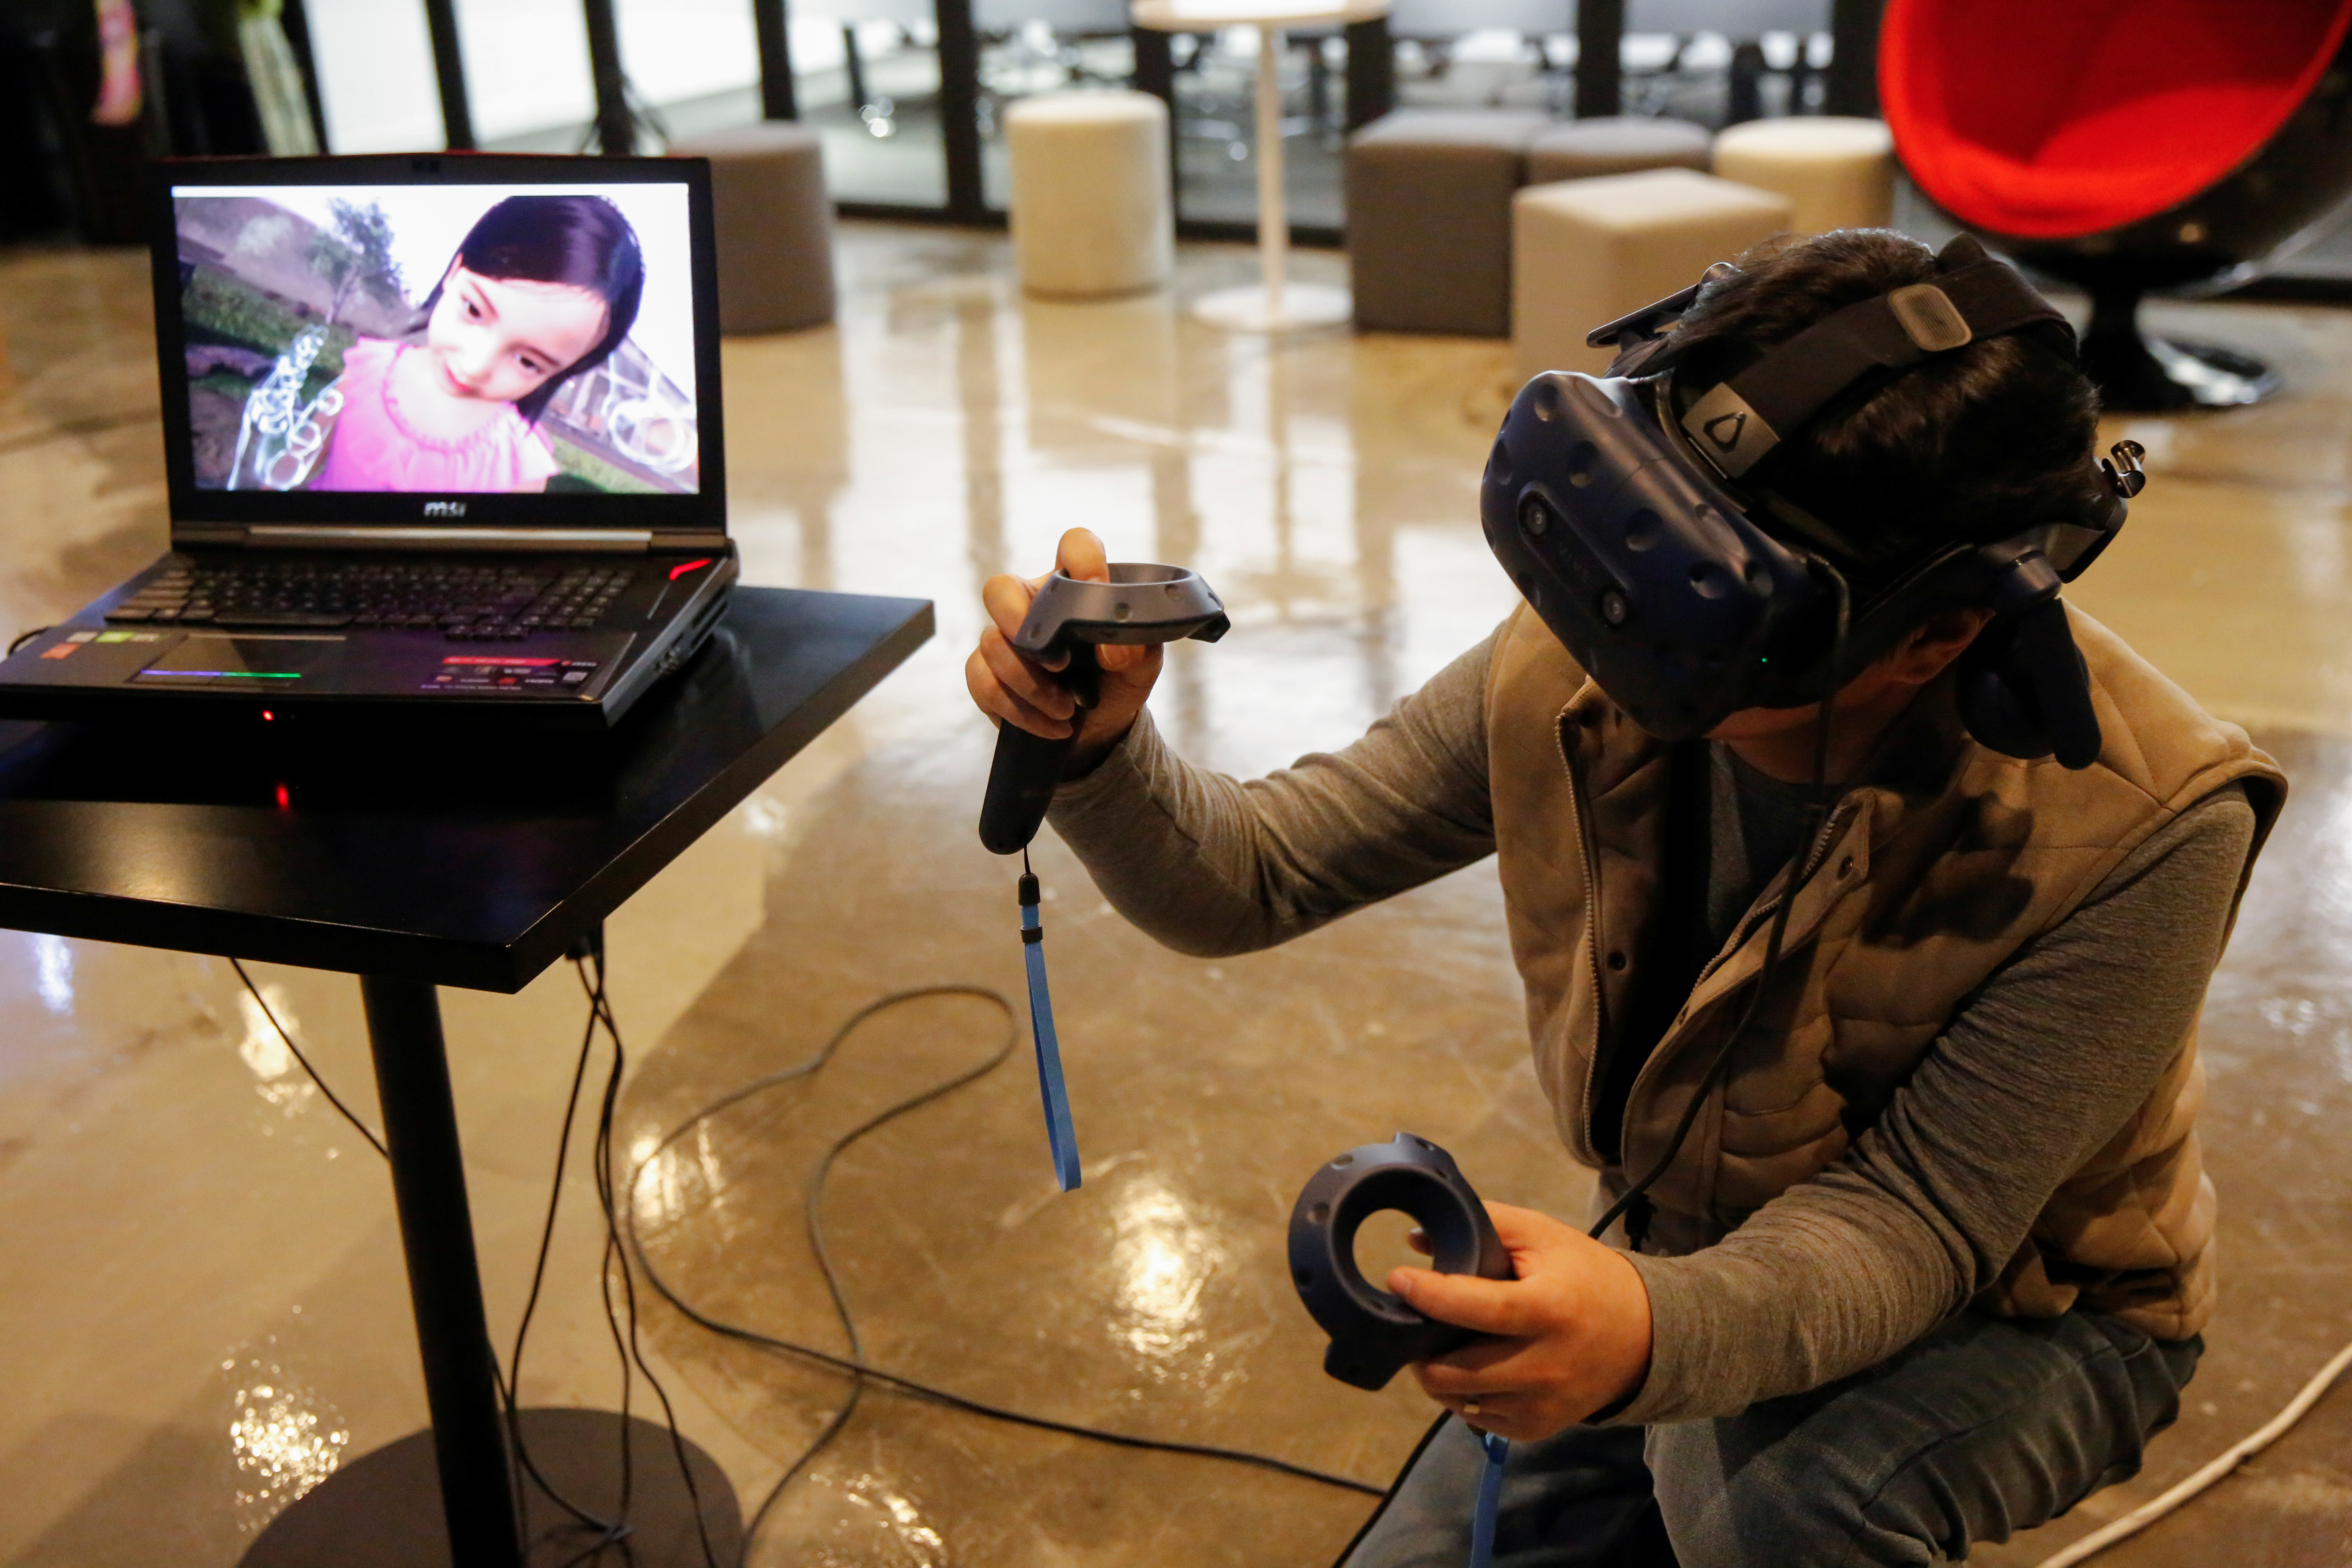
pixel 1490 1497
pixel 1061 1136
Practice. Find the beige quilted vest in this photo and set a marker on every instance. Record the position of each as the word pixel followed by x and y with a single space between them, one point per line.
pixel 1938 870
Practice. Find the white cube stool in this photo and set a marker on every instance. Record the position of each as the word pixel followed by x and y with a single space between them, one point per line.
pixel 1838 172
pixel 1585 252
pixel 1091 213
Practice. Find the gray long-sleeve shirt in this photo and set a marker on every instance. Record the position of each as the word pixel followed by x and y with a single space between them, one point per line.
pixel 2033 1075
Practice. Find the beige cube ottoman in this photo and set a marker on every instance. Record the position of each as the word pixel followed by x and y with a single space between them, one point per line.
pixel 1091 213
pixel 1584 252
pixel 1428 219
pixel 1839 173
pixel 1617 145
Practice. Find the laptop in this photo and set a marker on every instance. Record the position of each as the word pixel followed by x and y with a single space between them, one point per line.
pixel 443 439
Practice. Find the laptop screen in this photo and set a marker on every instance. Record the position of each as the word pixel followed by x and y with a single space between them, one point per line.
pixel 439 339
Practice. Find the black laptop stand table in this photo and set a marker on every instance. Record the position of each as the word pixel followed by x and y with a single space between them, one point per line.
pixel 414 860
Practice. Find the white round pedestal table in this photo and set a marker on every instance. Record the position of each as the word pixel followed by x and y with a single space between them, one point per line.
pixel 1274 304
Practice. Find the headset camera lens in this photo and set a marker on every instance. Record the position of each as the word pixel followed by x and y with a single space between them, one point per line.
pixel 1533 518
pixel 1613 607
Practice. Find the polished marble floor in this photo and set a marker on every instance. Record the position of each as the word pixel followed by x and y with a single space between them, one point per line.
pixel 201 1298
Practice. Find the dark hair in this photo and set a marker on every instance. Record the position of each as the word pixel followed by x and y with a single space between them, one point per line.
pixel 582 242
pixel 1973 445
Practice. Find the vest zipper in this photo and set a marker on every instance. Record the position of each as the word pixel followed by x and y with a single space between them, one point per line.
pixel 1588 861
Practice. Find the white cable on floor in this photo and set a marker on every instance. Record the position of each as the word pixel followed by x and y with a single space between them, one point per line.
pixel 2141 1518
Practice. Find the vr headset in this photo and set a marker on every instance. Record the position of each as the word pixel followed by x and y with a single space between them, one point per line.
pixel 1638 520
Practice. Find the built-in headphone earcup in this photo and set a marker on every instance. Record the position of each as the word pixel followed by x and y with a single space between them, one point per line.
pixel 2024 691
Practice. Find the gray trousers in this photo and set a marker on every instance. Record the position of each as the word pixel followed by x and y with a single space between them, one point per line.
pixel 1981 1427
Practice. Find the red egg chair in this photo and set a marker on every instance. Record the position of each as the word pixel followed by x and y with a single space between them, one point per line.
pixel 2129 145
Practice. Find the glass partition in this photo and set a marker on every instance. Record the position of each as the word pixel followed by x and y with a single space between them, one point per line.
pixel 1712 61
pixel 1719 62
pixel 527 73
pixel 1215 126
pixel 1042 45
pixel 374 63
pixel 867 77
pixel 695 62
pixel 1485 54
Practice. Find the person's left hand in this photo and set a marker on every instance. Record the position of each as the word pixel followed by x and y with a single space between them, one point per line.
pixel 1573 1330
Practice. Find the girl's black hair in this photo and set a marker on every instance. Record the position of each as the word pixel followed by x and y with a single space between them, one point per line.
pixel 1972 444
pixel 582 242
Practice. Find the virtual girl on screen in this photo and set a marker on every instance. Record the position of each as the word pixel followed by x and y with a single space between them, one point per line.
pixel 542 289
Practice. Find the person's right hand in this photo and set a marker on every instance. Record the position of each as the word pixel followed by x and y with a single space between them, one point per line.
pixel 1014 689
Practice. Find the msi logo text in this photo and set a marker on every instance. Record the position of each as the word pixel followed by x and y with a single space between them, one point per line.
pixel 445 508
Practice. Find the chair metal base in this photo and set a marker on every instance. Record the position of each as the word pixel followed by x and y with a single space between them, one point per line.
pixel 2138 374
pixel 384 1509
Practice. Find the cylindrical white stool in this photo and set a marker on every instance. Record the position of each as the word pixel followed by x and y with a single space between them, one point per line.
pixel 1091 213
pixel 773 224
pixel 1837 173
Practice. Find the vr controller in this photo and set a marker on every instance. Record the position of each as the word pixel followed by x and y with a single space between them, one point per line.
pixel 1142 603
pixel 1374 1334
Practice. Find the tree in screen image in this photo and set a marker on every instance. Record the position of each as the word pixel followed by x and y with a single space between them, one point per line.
pixel 356 254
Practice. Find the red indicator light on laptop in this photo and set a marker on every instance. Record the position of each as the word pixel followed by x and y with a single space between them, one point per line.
pixel 677 572
pixel 285 798
pixel 268 718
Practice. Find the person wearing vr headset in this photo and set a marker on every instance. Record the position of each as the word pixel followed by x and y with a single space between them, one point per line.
pixel 1876 1014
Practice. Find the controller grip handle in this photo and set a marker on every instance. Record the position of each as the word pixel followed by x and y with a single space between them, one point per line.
pixel 1021 778
pixel 1020 787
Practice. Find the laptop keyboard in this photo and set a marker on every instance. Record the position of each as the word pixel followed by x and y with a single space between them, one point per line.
pixel 467 603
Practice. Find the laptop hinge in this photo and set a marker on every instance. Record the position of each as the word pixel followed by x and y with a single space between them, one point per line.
pixel 322 536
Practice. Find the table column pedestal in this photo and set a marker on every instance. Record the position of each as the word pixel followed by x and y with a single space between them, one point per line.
pixel 446 1497
pixel 445 1281
pixel 1274 304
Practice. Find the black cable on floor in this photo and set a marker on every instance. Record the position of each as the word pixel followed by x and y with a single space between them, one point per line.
pixel 622 1240
pixel 855 1364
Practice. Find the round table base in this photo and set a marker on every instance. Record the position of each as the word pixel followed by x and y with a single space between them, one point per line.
pixel 384 1509
pixel 1304 307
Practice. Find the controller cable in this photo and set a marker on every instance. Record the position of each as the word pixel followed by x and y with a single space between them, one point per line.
pixel 1635 1200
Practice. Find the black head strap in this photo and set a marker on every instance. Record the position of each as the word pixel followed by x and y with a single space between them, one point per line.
pixel 1736 424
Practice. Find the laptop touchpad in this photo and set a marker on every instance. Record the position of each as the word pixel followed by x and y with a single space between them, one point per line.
pixel 250 663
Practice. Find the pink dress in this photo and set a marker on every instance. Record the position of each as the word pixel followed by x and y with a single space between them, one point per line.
pixel 372 448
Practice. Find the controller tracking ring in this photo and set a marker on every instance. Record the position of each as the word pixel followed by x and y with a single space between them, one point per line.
pixel 1143 603
pixel 1373 1333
